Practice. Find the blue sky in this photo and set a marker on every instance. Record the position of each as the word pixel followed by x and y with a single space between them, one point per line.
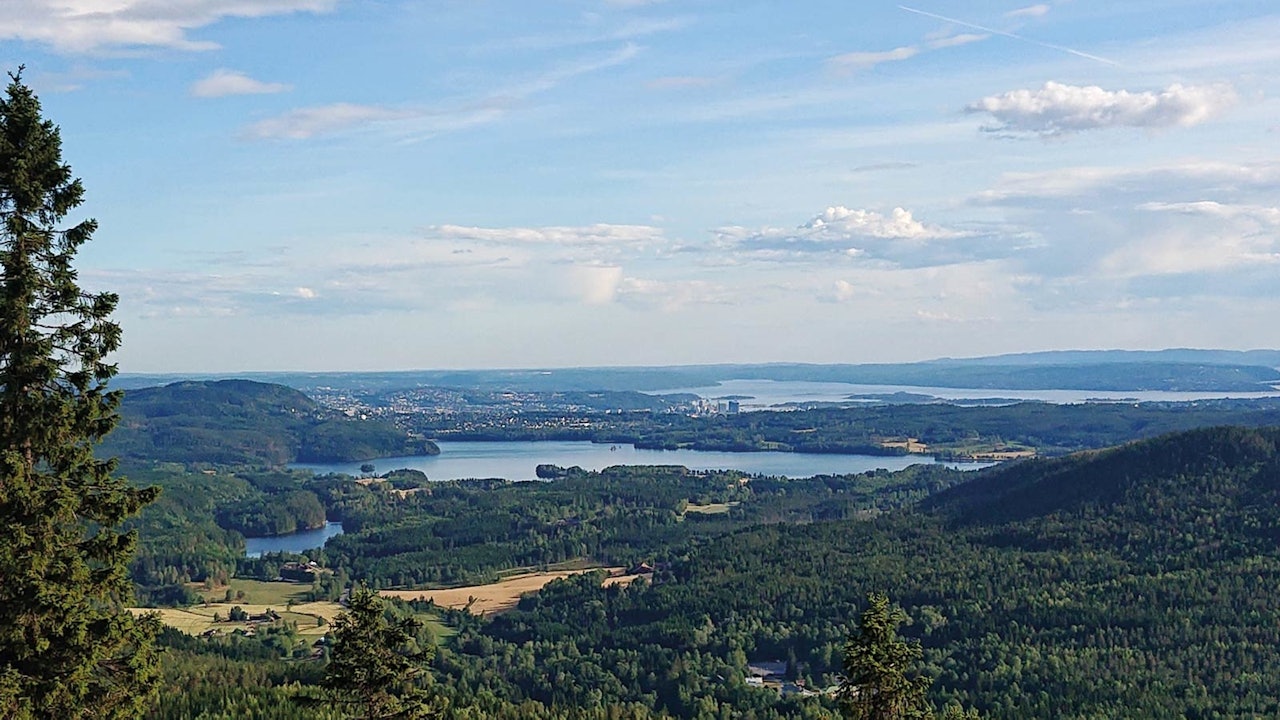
pixel 342 185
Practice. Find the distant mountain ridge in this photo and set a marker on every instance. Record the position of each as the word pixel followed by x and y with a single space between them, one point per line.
pixel 1262 358
pixel 247 422
pixel 1187 370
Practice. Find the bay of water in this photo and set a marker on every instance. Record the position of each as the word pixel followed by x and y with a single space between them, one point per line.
pixel 766 393
pixel 516 460
pixel 295 543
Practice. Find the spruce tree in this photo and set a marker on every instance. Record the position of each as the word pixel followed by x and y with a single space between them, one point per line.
pixel 878 667
pixel 68 647
pixel 372 672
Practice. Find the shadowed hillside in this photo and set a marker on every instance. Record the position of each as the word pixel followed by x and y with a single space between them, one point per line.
pixel 1134 582
pixel 246 422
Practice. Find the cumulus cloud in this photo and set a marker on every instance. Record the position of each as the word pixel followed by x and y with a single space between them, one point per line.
pixel 896 237
pixel 76 26
pixel 1057 109
pixel 840 221
pixel 863 60
pixel 223 82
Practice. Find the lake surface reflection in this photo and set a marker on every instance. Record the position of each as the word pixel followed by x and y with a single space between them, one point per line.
pixel 763 394
pixel 295 543
pixel 515 460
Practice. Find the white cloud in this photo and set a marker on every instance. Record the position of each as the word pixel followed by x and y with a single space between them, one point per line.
pixel 1181 251
pixel 1058 109
pixel 306 123
pixel 843 291
pixel 595 285
pixel 1089 181
pixel 600 234
pixel 419 123
pixel 223 82
pixel 1039 10
pixel 950 41
pixel 1110 237
pixel 841 221
pixel 1262 214
pixel 864 60
pixel 76 26
pixel 671 295
pixel 853 234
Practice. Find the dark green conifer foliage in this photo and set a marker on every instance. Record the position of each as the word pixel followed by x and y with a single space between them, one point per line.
pixel 877 667
pixel 68 648
pixel 371 671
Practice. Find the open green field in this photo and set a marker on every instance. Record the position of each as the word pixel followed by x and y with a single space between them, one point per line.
pixel 257 592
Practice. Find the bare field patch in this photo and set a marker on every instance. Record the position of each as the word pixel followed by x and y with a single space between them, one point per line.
pixel 711 508
pixel 495 597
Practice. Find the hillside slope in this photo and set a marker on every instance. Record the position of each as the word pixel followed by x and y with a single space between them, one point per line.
pixel 1134 582
pixel 247 422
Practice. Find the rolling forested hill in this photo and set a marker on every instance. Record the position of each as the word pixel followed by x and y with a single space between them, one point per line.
pixel 1139 581
pixel 1135 582
pixel 246 422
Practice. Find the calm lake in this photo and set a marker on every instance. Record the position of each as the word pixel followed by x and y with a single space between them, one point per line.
pixel 295 543
pixel 764 393
pixel 516 460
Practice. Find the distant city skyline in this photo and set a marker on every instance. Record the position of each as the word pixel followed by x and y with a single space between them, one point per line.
pixel 312 185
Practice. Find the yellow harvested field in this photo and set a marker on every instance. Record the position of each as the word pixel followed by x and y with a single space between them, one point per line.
pixel 500 596
pixel 625 579
pixel 199 618
pixel 711 508
pixel 1003 455
pixel 911 445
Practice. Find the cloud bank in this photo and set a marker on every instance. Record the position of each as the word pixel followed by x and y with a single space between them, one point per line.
pixel 80 26
pixel 1057 109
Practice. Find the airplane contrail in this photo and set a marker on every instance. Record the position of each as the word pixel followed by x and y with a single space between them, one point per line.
pixel 1014 36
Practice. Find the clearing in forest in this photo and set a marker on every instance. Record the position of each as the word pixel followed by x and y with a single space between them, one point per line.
pixel 499 596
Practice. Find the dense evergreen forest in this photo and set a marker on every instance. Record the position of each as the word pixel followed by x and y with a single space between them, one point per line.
pixel 1131 582
pixel 240 422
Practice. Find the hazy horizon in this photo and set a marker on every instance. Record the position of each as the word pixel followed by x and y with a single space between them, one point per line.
pixel 535 368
